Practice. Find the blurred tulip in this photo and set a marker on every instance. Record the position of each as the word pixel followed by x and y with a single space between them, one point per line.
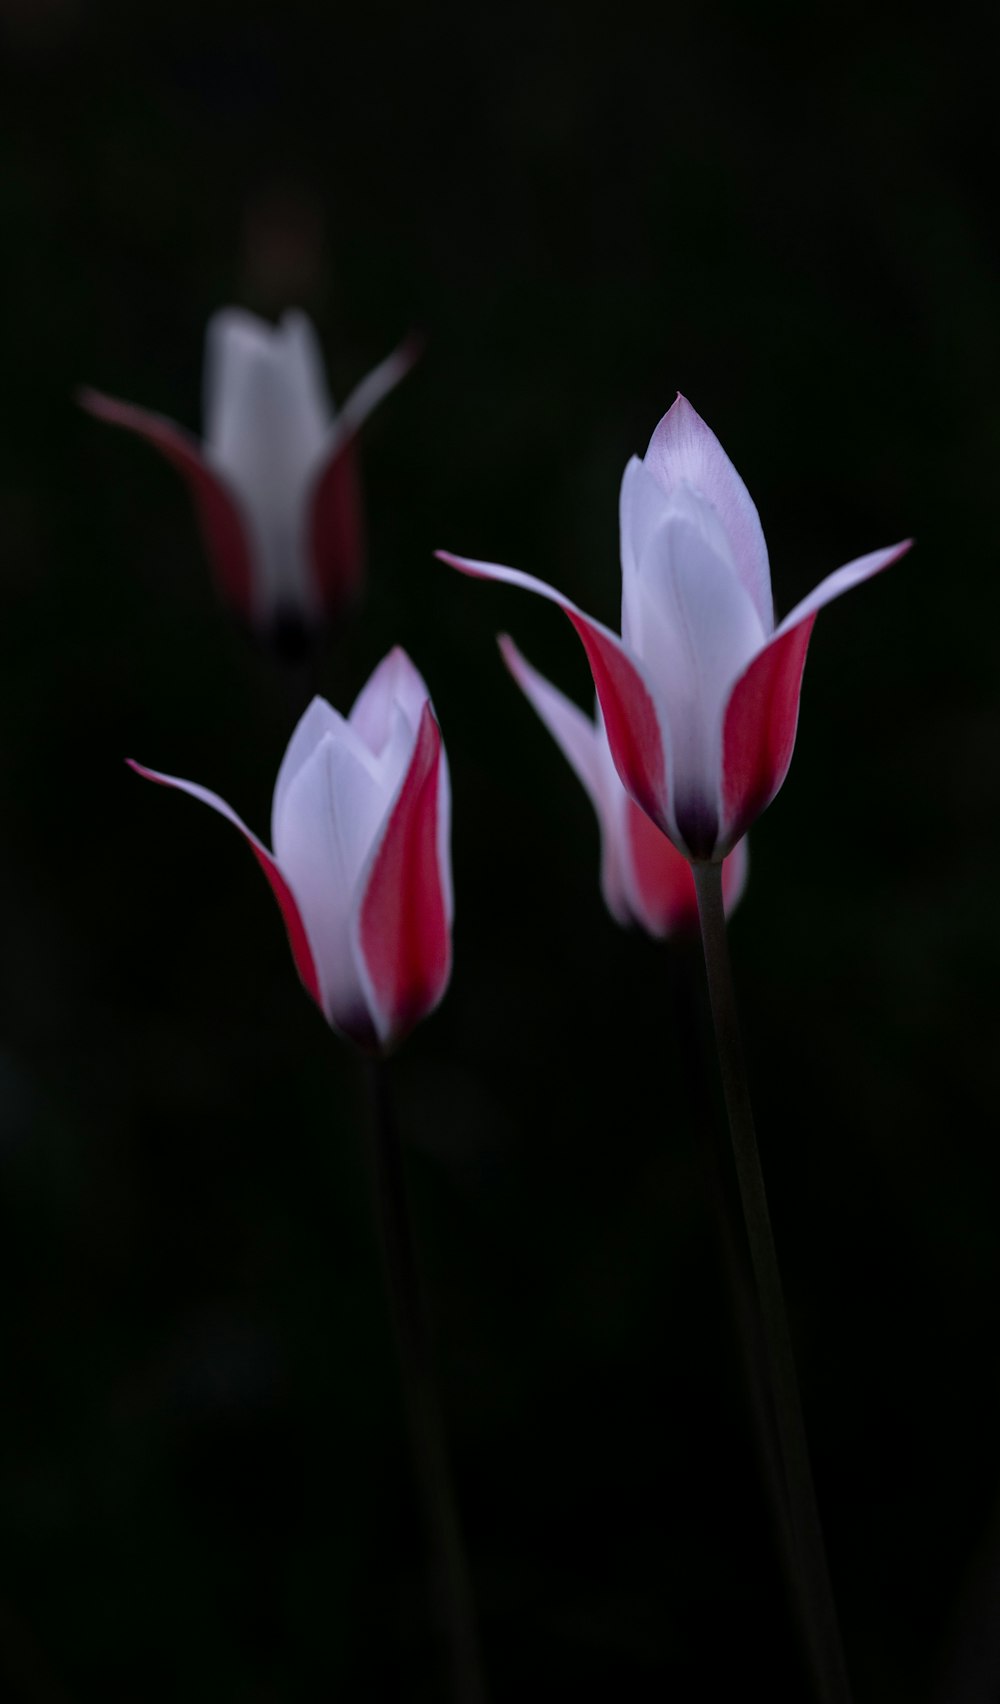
pixel 361 867
pixel 700 695
pixel 644 879
pixel 275 482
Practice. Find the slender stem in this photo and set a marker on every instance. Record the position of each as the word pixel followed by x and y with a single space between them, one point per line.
pixel 822 1631
pixel 690 1025
pixel 453 1591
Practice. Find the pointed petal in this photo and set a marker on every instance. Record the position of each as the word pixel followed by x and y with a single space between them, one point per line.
pixel 684 451
pixel 330 814
pixel 696 629
pixel 759 730
pixel 842 580
pixel 395 683
pixel 297 938
pixel 377 384
pixel 219 511
pixel 763 709
pixel 318 720
pixel 636 733
pixel 574 733
pixel 401 929
pixel 584 744
pixel 641 508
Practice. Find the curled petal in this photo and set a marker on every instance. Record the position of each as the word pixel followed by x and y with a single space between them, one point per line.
pixel 401 933
pixel 298 940
pixel 763 709
pixel 367 395
pixel 219 513
pixel 636 733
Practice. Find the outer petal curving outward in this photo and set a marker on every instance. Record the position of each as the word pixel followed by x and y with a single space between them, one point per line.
pixel 584 746
pixel 288 905
pixel 401 931
pixel 220 513
pixel 636 728
pixel 763 709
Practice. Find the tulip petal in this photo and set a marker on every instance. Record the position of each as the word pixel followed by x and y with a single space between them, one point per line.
pixel 288 905
pixel 585 748
pixel 684 451
pixel 401 927
pixel 319 719
pixel 377 384
pixel 842 580
pixel 636 729
pixel 219 510
pixel 763 709
pixel 662 895
pixel 395 683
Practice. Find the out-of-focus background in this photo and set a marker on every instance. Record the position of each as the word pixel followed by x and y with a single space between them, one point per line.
pixel 205 1491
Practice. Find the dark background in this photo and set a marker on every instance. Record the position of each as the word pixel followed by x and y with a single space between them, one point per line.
pixel 205 1491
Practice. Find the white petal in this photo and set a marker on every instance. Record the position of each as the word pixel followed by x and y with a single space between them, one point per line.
pixel 375 385
pixel 641 508
pixel 697 630
pixel 841 580
pixel 683 450
pixel 331 812
pixel 318 720
pixel 395 682
pixel 585 746
pixel 266 427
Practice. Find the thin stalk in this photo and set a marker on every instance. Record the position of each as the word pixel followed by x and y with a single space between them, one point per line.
pixel 823 1631
pixel 690 1025
pixel 453 1594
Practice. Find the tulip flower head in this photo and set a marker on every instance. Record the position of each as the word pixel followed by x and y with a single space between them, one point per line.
pixel 275 481
pixel 361 866
pixel 700 695
pixel 644 879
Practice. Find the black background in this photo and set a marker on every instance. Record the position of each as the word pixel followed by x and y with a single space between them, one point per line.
pixel 205 1491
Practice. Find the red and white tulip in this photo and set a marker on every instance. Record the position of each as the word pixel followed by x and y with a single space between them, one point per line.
pixel 361 860
pixel 275 481
pixel 644 879
pixel 700 695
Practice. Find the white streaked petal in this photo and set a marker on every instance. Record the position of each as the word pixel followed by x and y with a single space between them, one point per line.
pixel 573 732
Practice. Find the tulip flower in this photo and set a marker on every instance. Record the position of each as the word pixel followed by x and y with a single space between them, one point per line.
pixel 700 695
pixel 644 879
pixel 361 866
pixel 275 482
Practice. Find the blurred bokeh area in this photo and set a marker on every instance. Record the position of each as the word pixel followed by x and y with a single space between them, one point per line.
pixel 789 214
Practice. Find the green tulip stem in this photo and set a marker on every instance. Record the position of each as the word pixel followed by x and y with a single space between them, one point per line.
pixel 453 1592
pixel 822 1633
